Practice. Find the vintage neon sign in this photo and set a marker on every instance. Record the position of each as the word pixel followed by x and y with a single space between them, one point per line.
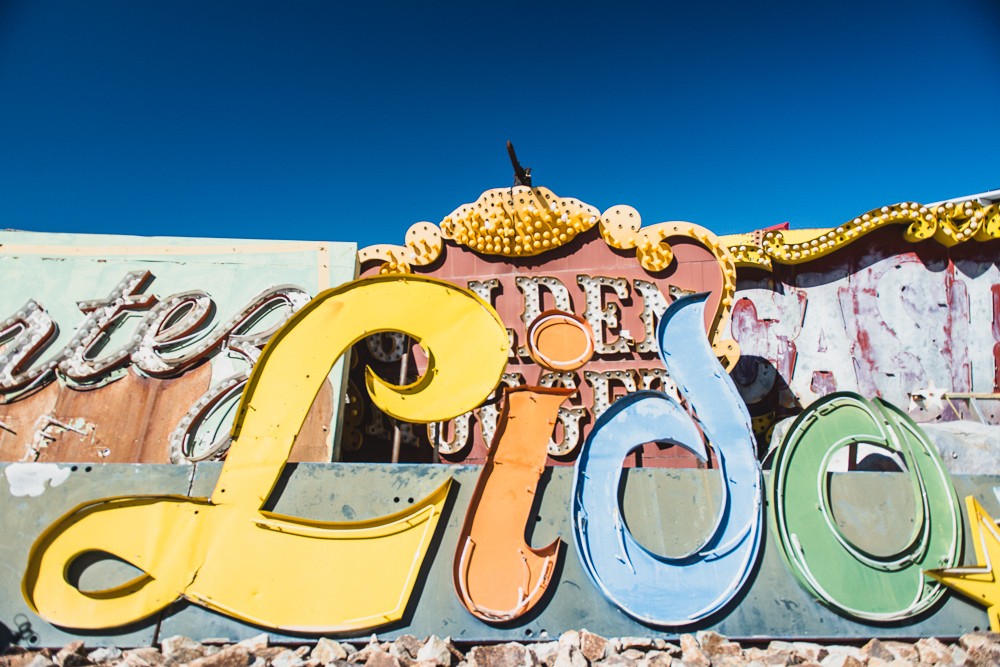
pixel 181 544
pixel 842 576
pixel 171 337
pixel 467 346
pixel 656 589
pixel 497 576
pixel 193 563
pixel 168 340
pixel 509 246
pixel 601 313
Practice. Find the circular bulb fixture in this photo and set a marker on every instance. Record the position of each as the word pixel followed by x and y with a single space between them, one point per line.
pixel 560 341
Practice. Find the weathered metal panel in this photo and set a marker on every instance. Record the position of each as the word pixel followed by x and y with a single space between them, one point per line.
pixel 666 510
pixel 883 317
pixel 610 287
pixel 130 410
pixel 23 517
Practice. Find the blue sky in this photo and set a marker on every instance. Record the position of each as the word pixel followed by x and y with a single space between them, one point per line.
pixel 351 121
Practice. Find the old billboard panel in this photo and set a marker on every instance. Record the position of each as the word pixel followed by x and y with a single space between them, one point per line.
pixel 134 350
pixel 884 317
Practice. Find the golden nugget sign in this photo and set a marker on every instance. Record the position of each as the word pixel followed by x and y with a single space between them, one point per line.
pixel 512 248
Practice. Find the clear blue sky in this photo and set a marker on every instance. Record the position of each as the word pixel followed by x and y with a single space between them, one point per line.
pixel 351 121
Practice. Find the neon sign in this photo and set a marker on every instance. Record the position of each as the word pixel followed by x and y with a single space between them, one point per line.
pixel 192 564
pixel 368 569
pixel 497 576
pixel 875 587
pixel 171 336
pixel 510 248
pixel 660 590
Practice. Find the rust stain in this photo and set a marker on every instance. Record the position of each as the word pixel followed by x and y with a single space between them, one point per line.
pixel 311 442
pixel 20 418
pixel 127 421
pixel 131 418
pixel 823 383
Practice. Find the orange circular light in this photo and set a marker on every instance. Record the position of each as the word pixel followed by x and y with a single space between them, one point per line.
pixel 560 341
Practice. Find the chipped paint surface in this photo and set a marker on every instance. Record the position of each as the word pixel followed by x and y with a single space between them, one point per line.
pixel 29 479
pixel 884 319
pixel 118 349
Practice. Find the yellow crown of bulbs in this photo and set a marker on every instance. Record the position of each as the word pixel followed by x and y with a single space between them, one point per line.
pixel 519 221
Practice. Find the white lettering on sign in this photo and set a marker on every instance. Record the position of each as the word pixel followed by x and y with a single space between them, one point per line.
pixel 531 288
pixel 26 334
pixel 603 318
pixel 654 304
pixel 484 289
pixel 170 337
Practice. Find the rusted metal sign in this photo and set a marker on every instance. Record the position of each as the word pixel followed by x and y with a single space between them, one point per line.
pixel 126 349
pixel 883 317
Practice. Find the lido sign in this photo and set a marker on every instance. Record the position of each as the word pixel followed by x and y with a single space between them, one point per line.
pixel 317 577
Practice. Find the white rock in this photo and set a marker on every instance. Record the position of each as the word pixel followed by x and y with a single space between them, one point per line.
pixel 177 643
pixel 545 652
pixel 569 656
pixel 40 661
pixel 253 643
pixel 289 658
pixel 104 654
pixel 327 650
pixel 435 650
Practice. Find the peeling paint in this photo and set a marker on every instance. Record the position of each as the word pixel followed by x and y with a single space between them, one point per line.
pixel 879 322
pixel 28 479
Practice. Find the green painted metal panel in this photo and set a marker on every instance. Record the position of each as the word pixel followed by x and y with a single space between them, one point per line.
pixel 24 517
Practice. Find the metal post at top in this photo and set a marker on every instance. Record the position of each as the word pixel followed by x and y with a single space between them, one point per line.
pixel 404 368
pixel 522 176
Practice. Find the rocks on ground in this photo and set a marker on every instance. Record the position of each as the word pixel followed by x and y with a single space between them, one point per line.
pixel 573 649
